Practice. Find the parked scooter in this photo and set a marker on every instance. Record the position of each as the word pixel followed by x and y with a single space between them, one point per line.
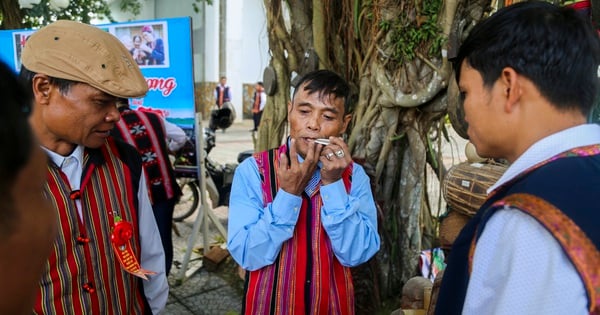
pixel 217 177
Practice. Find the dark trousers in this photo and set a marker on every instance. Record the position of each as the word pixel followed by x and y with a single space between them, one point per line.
pixel 256 117
pixel 163 214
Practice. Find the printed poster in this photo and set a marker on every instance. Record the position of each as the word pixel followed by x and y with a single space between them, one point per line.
pixel 161 48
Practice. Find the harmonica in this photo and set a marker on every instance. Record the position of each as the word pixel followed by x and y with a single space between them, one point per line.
pixel 322 141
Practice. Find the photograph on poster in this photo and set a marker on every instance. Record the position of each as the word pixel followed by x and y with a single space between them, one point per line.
pixel 147 43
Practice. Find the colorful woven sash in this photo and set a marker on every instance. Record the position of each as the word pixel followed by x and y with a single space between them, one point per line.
pixel 144 131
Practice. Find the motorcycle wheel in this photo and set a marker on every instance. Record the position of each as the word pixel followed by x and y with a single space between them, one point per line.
pixel 190 198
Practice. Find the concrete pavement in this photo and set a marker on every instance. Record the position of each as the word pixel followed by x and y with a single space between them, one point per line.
pixel 203 292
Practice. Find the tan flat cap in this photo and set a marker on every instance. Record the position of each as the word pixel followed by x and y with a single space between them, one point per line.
pixel 84 53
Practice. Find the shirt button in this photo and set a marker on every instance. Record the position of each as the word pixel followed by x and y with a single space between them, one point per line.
pixel 296 209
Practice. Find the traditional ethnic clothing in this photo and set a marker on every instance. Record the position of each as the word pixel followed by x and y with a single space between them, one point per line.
pixel 222 95
pixel 146 132
pixel 260 99
pixel 83 275
pixel 299 248
pixel 543 217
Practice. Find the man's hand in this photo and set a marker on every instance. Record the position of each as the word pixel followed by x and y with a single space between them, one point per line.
pixel 335 157
pixel 293 176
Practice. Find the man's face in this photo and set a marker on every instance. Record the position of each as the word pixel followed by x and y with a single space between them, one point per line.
pixel 483 113
pixel 148 36
pixel 84 115
pixel 137 42
pixel 223 81
pixel 313 116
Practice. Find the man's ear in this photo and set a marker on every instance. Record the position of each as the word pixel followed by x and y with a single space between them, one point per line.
pixel 511 88
pixel 41 88
pixel 347 118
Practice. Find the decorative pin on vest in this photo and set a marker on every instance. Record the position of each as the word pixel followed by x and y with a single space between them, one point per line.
pixel 120 237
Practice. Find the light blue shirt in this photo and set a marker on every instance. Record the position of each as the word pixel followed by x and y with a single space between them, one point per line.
pixel 257 232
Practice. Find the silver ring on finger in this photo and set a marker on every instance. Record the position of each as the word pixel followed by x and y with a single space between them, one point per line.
pixel 340 153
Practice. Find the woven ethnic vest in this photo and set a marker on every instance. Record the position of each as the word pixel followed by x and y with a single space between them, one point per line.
pixel 222 95
pixel 82 275
pixel 560 195
pixel 306 277
pixel 145 131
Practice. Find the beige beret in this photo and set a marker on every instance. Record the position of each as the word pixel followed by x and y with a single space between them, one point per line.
pixel 84 53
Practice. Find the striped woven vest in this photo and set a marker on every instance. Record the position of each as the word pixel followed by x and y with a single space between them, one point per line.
pixel 145 132
pixel 82 275
pixel 306 277
pixel 559 195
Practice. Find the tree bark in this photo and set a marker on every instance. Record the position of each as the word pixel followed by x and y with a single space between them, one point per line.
pixel 11 14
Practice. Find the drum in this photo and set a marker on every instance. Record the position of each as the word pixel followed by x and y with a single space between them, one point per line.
pixel 450 226
pixel 465 185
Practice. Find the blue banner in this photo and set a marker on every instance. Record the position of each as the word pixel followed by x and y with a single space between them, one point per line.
pixel 162 49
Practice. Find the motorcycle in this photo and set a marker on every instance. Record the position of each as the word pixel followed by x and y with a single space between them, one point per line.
pixel 217 177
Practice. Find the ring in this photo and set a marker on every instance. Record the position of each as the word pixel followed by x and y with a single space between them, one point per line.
pixel 329 155
pixel 340 153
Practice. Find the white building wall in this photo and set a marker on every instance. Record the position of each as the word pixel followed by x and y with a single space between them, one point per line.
pixel 255 41
pixel 210 73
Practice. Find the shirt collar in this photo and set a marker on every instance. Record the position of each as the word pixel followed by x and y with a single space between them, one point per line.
pixel 59 159
pixel 544 149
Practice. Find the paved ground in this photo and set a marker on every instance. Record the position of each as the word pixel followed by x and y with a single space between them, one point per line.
pixel 219 292
pixel 203 292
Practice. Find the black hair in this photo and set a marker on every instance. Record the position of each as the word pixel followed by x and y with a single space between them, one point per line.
pixel 63 85
pixel 554 47
pixel 15 133
pixel 326 83
pixel 15 138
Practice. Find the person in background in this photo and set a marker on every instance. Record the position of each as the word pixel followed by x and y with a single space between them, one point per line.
pixel 260 99
pixel 528 75
pixel 139 55
pixel 27 221
pixel 153 46
pixel 154 137
pixel 300 215
pixel 107 257
pixel 222 93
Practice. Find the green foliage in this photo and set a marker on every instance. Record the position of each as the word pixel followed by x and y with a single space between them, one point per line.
pixel 408 37
pixel 78 10
pixel 196 6
pixel 133 6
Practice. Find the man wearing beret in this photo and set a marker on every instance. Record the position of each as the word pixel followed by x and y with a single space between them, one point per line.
pixel 108 256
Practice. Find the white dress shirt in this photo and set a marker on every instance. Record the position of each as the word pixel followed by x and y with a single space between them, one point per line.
pixel 176 137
